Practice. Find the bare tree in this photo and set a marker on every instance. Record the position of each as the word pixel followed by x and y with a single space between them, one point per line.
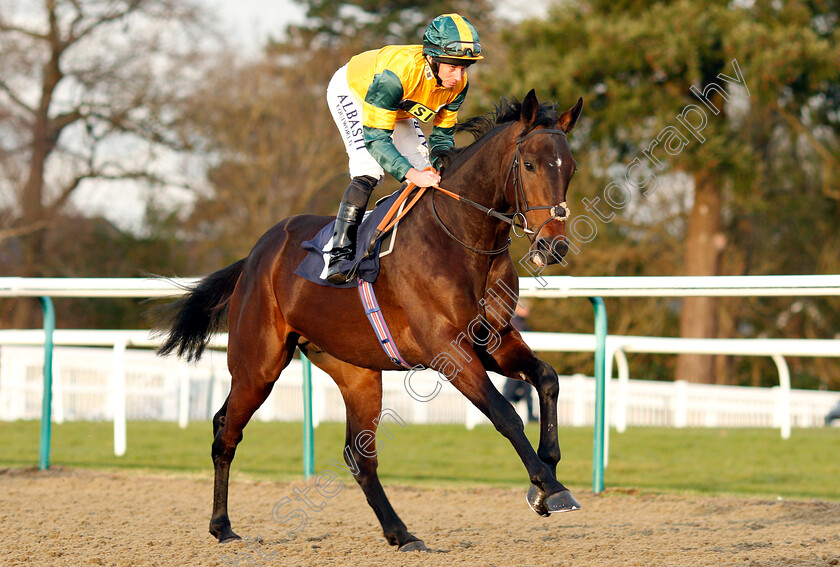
pixel 87 89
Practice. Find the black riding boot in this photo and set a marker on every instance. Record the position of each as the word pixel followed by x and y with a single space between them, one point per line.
pixel 350 214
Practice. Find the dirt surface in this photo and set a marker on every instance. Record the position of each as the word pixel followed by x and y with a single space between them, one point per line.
pixel 80 518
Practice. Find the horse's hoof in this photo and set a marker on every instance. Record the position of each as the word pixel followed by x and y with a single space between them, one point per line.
pixel 224 533
pixel 558 502
pixel 536 501
pixel 561 502
pixel 414 546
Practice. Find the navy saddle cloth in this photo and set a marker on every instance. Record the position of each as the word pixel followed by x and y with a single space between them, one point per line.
pixel 314 265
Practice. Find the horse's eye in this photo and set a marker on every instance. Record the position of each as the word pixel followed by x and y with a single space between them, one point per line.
pixel 528 165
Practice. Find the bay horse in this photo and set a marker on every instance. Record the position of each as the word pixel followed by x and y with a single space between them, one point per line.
pixel 433 287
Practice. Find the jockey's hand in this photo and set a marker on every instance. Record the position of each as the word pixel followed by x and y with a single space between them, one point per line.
pixel 422 178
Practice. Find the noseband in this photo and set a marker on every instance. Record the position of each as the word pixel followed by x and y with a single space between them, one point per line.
pixel 517 219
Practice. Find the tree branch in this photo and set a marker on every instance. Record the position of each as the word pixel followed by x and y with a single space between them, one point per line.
pixel 829 159
pixel 68 189
pixel 105 19
pixel 15 99
pixel 119 122
pixel 4 27
pixel 61 121
pixel 24 230
pixel 818 146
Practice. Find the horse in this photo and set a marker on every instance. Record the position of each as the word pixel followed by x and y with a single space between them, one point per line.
pixel 443 278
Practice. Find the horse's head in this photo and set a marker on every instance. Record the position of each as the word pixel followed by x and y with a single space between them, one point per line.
pixel 539 177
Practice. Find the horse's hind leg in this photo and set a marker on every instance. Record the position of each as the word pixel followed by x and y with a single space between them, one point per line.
pixel 219 521
pixel 362 393
pixel 254 366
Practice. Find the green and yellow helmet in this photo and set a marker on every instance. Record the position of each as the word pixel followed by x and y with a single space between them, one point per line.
pixel 452 39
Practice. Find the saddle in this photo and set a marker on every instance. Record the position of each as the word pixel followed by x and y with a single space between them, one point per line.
pixel 376 238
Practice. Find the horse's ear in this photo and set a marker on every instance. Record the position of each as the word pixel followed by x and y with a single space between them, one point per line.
pixel 530 108
pixel 568 119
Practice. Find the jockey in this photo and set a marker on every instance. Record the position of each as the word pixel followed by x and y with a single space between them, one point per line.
pixel 376 101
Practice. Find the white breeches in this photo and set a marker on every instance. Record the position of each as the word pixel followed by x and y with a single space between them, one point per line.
pixel 346 110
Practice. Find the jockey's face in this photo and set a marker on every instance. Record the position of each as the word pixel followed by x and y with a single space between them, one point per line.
pixel 450 75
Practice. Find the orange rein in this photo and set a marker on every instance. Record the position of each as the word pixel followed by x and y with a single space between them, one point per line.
pixel 387 224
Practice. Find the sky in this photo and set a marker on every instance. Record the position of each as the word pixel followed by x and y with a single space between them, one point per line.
pixel 250 22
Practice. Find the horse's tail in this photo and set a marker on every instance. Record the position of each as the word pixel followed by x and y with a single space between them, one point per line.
pixel 189 322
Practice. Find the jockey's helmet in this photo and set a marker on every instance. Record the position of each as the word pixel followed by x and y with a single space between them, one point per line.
pixel 452 39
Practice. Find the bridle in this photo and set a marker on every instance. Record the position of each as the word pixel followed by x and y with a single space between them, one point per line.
pixel 559 211
pixel 517 219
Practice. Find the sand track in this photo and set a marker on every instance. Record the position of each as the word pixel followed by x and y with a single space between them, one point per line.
pixel 79 518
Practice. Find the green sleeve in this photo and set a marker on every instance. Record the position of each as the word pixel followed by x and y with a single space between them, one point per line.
pixel 380 144
pixel 440 138
pixel 385 92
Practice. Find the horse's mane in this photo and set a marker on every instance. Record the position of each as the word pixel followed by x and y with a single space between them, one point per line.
pixel 486 126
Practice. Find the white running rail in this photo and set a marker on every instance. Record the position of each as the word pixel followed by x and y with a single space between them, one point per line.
pixel 551 286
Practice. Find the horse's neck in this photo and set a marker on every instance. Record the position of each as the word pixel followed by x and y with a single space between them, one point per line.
pixel 480 178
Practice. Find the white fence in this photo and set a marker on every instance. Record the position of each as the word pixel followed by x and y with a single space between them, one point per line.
pixel 674 408
pixel 154 388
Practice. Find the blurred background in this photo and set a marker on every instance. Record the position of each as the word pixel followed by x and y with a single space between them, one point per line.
pixel 166 136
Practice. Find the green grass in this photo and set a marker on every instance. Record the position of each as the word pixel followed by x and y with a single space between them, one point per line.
pixel 708 461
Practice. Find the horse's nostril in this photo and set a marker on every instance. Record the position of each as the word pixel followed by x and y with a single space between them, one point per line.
pixel 552 250
pixel 544 245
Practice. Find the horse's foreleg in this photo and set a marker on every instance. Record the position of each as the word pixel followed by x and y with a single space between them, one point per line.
pixel 516 360
pixel 362 393
pixel 547 494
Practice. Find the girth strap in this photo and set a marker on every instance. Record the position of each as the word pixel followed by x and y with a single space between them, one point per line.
pixel 380 327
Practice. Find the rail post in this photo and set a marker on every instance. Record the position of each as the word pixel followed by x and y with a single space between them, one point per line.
pixel 46 400
pixel 600 390
pixel 119 401
pixel 308 430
